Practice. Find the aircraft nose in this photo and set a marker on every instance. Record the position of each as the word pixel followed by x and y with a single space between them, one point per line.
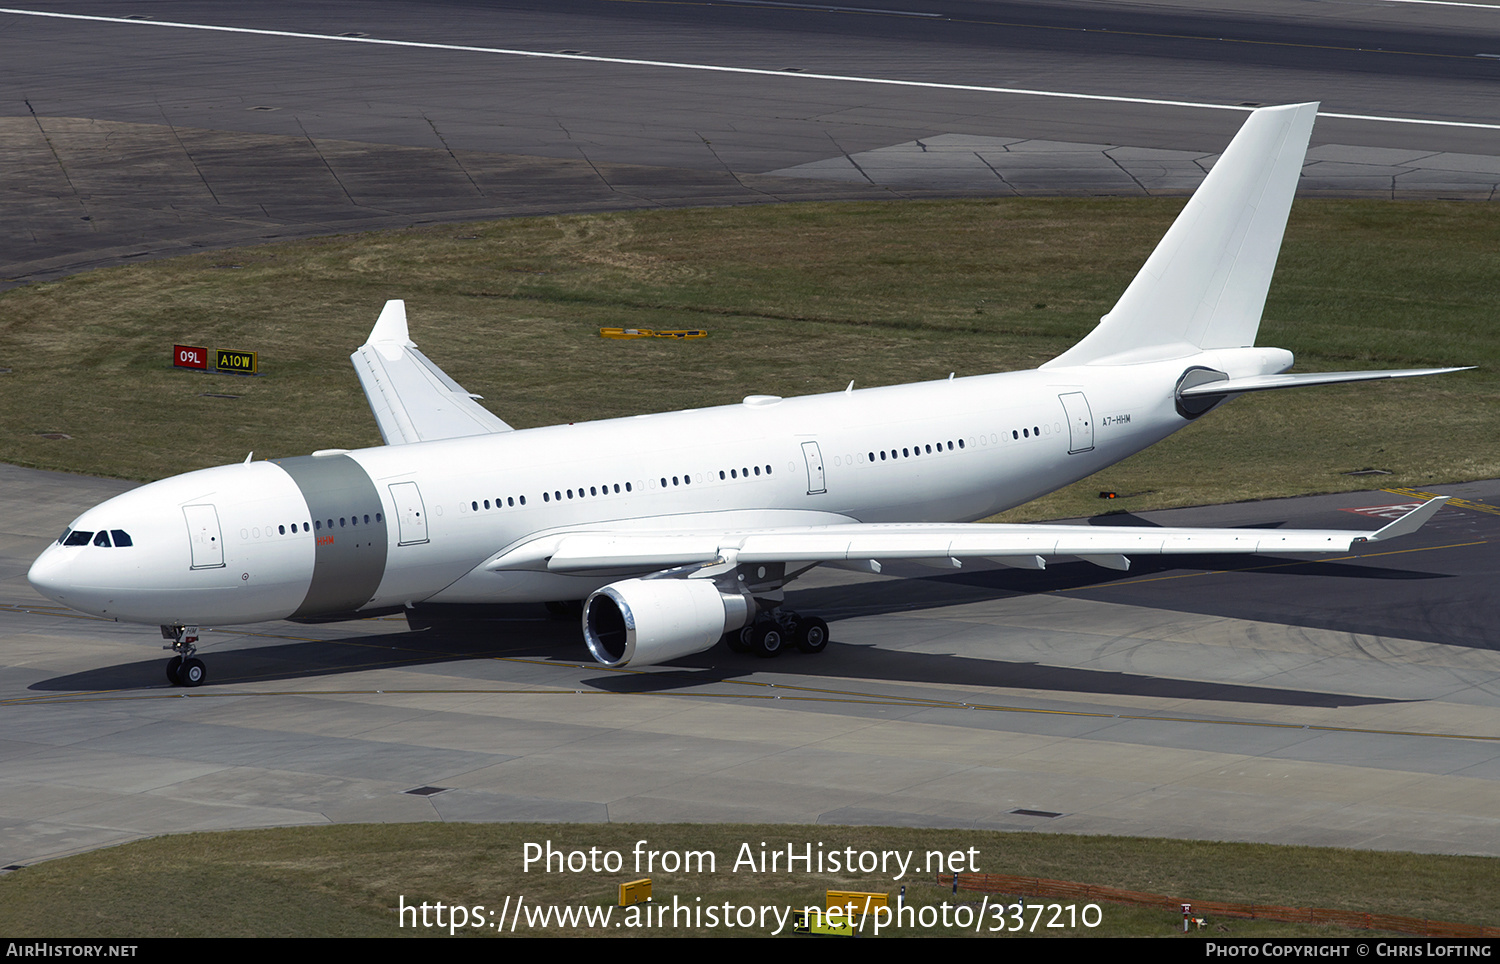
pixel 49 575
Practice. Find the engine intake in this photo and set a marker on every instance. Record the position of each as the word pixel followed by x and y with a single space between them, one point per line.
pixel 641 622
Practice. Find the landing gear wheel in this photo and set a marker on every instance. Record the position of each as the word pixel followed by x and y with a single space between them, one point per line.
pixel 738 640
pixel 812 635
pixel 183 669
pixel 192 673
pixel 767 639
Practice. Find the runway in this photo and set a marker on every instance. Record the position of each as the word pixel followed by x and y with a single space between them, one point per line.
pixel 1348 702
pixel 144 137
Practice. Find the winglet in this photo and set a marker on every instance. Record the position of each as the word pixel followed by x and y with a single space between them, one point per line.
pixel 390 327
pixel 1409 523
pixel 414 400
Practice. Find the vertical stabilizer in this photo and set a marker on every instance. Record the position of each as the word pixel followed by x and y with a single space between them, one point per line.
pixel 1205 284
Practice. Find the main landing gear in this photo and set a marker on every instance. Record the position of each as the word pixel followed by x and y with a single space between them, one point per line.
pixel 184 669
pixel 773 631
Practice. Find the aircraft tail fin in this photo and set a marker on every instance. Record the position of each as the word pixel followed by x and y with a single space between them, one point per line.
pixel 1205 284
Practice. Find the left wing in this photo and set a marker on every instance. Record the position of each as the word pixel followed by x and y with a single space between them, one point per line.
pixel 413 399
pixel 1025 546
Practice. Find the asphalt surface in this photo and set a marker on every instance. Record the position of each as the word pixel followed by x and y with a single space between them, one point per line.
pixel 1343 702
pixel 138 138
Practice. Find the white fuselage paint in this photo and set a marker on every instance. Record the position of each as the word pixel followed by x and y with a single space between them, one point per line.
pixel 999 460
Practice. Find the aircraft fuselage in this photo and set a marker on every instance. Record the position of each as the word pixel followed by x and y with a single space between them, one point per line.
pixel 343 531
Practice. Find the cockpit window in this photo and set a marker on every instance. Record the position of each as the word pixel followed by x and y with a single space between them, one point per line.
pixel 121 537
pixel 64 537
pixel 102 539
pixel 79 538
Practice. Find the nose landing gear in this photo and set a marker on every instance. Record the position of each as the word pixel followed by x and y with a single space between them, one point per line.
pixel 184 669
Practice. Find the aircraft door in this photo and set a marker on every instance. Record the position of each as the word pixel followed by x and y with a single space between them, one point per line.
pixel 411 515
pixel 1080 422
pixel 204 536
pixel 814 459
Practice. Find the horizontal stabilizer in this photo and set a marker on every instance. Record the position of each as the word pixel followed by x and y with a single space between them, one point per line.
pixel 1264 383
pixel 413 399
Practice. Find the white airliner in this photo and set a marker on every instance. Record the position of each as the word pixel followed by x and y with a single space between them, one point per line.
pixel 682 528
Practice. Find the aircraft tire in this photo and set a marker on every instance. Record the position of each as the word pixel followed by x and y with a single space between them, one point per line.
pixel 174 666
pixel 192 673
pixel 812 635
pixel 768 640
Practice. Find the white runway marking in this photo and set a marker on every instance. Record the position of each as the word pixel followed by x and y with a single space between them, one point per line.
pixel 715 68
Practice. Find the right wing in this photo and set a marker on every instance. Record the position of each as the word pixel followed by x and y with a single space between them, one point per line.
pixel 1024 546
pixel 413 400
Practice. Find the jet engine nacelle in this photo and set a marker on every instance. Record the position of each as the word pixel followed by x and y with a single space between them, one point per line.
pixel 640 622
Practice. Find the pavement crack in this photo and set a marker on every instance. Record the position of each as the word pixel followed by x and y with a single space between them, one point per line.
pixel 996 171
pixel 727 170
pixel 460 164
pixel 329 167
pixel 82 204
pixel 1123 170
pixel 189 155
pixel 850 158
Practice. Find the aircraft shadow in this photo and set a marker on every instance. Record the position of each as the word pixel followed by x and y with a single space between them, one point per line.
pixel 547 641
